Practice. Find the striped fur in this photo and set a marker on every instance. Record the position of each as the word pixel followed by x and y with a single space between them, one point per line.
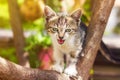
pixel 67 39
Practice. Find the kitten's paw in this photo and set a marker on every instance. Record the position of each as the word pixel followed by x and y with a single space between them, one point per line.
pixel 68 77
pixel 76 78
pixel 57 68
pixel 71 70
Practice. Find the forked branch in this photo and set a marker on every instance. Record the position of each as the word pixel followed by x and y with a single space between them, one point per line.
pixel 99 18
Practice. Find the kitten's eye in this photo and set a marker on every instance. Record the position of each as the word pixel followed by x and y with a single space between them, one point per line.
pixel 55 29
pixel 67 30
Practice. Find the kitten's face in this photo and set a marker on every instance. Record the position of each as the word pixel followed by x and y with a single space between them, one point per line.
pixel 61 27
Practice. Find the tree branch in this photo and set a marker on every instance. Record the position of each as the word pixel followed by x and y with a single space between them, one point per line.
pixel 12 71
pixel 100 15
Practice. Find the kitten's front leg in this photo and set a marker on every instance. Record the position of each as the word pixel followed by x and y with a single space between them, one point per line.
pixel 58 63
pixel 71 69
pixel 57 67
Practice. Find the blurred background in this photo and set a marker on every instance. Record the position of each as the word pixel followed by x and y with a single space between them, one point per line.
pixel 23 38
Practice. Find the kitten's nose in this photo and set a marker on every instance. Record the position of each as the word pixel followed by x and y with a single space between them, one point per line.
pixel 60 37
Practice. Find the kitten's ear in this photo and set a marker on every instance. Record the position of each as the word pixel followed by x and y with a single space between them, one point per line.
pixel 48 12
pixel 76 14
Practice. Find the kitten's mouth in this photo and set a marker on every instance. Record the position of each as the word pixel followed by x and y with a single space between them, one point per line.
pixel 61 41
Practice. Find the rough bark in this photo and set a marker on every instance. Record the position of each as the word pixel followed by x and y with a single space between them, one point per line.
pixel 99 18
pixel 11 71
pixel 16 25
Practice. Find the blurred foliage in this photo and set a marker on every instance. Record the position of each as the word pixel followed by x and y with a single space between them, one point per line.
pixel 87 12
pixel 116 30
pixel 33 58
pixel 4 15
pixel 39 36
pixel 38 40
pixel 91 72
pixel 54 4
pixel 31 9
pixel 9 53
pixel 20 2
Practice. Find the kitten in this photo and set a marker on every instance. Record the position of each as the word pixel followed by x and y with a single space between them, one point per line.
pixel 68 35
pixel 67 38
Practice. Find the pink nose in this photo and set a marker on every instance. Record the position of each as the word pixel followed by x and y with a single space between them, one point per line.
pixel 60 37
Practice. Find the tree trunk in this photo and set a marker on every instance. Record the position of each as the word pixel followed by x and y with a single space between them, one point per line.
pixel 16 25
pixel 99 18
